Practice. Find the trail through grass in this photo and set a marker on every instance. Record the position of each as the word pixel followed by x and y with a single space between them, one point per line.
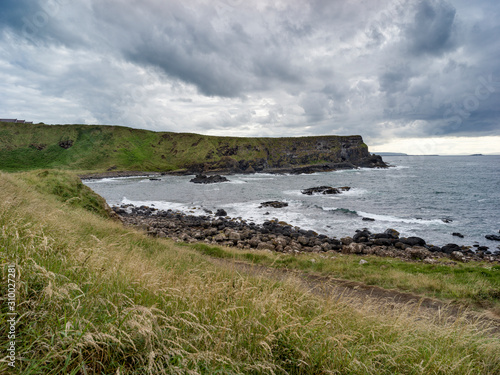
pixel 475 284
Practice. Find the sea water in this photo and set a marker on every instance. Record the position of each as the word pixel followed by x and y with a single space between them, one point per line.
pixel 425 196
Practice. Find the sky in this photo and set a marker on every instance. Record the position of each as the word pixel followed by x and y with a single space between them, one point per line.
pixel 414 76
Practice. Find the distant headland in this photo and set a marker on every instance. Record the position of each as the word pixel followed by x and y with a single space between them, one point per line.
pixel 118 150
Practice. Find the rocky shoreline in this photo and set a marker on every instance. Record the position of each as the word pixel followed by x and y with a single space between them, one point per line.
pixel 281 237
pixel 373 161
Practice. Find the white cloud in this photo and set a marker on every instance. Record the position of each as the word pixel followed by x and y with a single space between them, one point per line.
pixel 441 146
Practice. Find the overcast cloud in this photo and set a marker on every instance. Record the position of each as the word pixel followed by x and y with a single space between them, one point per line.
pixel 388 70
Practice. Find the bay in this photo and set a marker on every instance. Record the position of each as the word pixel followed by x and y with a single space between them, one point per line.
pixel 416 197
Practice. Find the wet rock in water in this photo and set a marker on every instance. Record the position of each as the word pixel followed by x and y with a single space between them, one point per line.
pixel 367 219
pixel 492 237
pixel 274 204
pixel 202 179
pixel 325 190
pixel 155 179
pixel 221 212
pixel 446 220
pixel 456 234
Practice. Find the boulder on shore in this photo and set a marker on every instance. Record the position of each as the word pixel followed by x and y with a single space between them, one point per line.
pixel 279 236
pixel 413 241
pixel 202 179
pixel 221 212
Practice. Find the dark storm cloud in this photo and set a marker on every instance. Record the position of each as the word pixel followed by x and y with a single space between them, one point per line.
pixel 37 22
pixel 378 68
pixel 185 44
pixel 433 29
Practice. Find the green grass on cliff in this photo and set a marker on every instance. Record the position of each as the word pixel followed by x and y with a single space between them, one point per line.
pixel 94 297
pixel 98 148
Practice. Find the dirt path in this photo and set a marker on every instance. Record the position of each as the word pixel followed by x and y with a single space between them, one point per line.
pixel 378 299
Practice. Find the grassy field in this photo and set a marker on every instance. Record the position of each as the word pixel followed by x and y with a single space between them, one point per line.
pixel 94 297
pixel 97 148
pixel 476 284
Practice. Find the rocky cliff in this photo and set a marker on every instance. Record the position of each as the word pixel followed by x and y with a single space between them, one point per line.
pixel 295 155
pixel 96 148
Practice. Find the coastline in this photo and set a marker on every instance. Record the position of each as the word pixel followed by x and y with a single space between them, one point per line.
pixel 278 236
pixel 373 161
pixel 115 174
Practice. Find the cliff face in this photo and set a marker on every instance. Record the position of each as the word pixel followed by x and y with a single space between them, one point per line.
pixel 287 153
pixel 116 148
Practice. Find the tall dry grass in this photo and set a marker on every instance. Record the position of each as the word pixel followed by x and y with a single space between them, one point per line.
pixel 96 298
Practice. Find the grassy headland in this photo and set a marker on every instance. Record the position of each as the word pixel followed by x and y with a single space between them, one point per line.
pixel 97 148
pixel 95 297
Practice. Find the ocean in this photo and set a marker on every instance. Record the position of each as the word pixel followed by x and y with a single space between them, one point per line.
pixel 424 196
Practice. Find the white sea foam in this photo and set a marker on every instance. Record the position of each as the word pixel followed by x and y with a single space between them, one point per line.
pixel 250 211
pixel 395 219
pixel 384 218
pixel 259 177
pixel 109 179
pixel 353 192
pixel 296 193
pixel 398 167
pixel 163 205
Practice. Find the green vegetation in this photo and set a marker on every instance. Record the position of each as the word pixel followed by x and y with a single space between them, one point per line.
pixel 95 148
pixel 68 188
pixel 473 284
pixel 96 297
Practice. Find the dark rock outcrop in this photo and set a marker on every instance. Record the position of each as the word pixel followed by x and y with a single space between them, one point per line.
pixel 325 190
pixel 66 144
pixel 413 241
pixel 372 161
pixel 221 212
pixel 203 179
pixel 362 236
pixel 492 237
pixel 290 155
pixel 274 204
pixel 450 248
